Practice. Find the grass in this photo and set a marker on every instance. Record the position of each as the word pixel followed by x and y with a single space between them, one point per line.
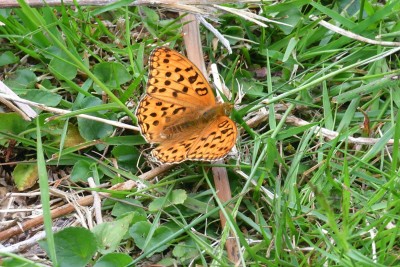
pixel 315 177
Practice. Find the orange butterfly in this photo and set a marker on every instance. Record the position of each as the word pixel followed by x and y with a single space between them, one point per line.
pixel 179 112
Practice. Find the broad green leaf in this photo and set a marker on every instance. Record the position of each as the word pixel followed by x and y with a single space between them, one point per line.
pixel 75 246
pixel 110 234
pixel 12 123
pixel 18 261
pixel 176 197
pixel 22 78
pixel 92 130
pixel 7 58
pixel 112 74
pixel 185 250
pixel 149 14
pixel 121 208
pixel 139 232
pixel 113 260
pixel 62 69
pixel 81 171
pixel 127 156
pixel 44 97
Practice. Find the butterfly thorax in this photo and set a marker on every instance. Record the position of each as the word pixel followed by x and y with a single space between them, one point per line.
pixel 198 119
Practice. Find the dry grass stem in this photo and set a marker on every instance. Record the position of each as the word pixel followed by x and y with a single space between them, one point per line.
pixel 21 108
pixel 257 117
pixel 351 34
pixel 96 201
pixel 63 112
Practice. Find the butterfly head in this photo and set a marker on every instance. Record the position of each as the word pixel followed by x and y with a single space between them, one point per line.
pixel 227 108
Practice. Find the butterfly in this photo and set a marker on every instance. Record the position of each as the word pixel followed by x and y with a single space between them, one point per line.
pixel 179 112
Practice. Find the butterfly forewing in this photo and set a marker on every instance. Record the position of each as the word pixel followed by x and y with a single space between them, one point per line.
pixel 173 78
pixel 155 115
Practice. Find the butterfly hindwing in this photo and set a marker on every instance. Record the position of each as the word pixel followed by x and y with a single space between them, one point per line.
pixel 215 140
